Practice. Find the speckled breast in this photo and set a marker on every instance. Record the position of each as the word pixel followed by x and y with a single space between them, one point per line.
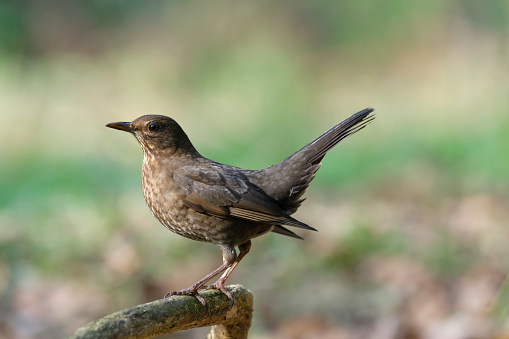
pixel 166 202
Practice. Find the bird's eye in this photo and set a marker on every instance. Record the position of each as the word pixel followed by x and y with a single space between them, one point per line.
pixel 153 127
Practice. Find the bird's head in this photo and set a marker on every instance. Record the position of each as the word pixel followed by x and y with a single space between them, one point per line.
pixel 157 134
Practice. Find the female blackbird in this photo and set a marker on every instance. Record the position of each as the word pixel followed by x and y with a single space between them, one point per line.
pixel 208 201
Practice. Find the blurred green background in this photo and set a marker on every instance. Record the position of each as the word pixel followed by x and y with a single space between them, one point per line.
pixel 412 211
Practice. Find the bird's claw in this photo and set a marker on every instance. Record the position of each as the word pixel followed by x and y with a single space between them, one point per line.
pixel 219 286
pixel 188 291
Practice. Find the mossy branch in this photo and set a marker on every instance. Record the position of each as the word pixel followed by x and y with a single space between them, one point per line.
pixel 177 313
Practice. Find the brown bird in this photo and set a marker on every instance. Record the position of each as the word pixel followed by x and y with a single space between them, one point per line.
pixel 208 201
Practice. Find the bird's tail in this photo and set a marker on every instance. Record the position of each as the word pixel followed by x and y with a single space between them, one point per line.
pixel 316 149
pixel 287 180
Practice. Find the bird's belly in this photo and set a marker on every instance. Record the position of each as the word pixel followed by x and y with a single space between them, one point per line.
pixel 180 219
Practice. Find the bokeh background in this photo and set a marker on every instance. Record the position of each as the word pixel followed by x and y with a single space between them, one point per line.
pixel 412 211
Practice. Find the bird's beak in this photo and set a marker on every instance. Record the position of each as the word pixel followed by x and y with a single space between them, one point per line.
pixel 123 126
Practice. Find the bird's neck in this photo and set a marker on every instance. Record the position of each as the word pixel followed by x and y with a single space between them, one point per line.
pixel 169 161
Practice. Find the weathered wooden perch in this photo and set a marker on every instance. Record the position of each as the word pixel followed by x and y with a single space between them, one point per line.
pixel 177 313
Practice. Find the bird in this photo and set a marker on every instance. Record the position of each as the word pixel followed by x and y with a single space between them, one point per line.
pixel 208 201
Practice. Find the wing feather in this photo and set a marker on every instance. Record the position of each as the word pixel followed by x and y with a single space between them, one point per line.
pixel 224 193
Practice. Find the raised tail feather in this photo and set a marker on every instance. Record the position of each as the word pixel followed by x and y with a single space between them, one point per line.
pixel 287 180
pixel 332 137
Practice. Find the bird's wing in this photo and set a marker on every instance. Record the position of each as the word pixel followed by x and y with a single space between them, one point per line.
pixel 224 192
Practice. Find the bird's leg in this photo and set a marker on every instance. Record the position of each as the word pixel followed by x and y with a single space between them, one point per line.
pixel 199 283
pixel 229 257
pixel 219 284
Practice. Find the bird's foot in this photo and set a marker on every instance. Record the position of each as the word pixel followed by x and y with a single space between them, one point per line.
pixel 188 291
pixel 219 285
pixel 198 286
